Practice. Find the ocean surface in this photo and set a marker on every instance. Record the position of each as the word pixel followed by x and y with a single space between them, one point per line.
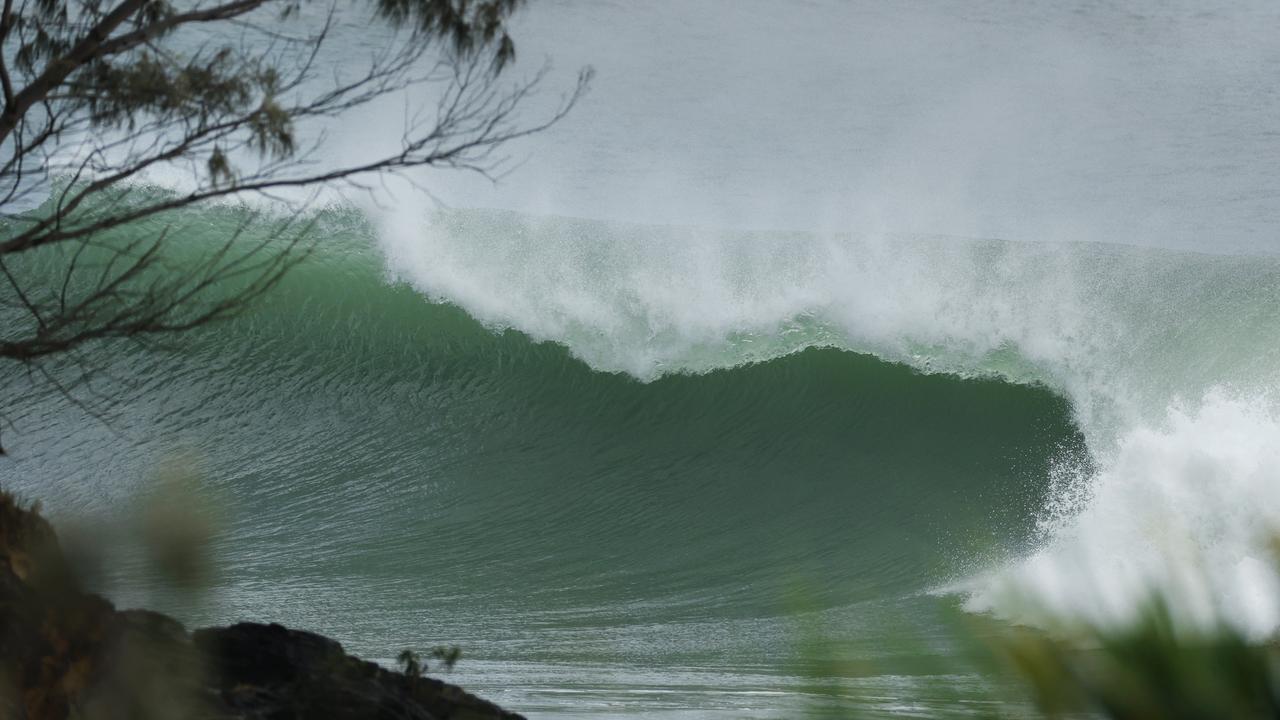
pixel 819 332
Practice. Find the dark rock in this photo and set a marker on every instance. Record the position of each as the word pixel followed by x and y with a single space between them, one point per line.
pixel 66 653
pixel 279 673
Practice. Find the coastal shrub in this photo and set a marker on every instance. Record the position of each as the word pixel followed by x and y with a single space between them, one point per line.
pixel 413 666
pixel 1148 669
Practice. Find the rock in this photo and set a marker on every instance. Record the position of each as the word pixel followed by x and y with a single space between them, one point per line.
pixel 67 653
pixel 269 671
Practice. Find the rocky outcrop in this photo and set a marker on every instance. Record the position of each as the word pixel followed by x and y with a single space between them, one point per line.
pixel 66 653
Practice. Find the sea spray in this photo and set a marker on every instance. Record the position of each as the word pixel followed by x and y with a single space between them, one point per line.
pixel 1187 510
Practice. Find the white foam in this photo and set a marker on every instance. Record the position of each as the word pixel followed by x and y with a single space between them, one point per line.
pixel 1188 508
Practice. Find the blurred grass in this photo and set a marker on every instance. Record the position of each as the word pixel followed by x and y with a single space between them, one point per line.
pixel 1151 668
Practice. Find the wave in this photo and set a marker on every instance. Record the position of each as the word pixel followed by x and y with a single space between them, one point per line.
pixel 866 407
pixel 1168 360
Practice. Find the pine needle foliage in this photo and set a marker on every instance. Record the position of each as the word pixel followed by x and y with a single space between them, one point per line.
pixel 97 94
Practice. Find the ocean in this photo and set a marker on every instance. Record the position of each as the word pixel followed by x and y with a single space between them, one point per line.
pixel 817 333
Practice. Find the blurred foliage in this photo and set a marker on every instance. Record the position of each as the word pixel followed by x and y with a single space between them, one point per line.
pixel 177 523
pixel 413 666
pixel 1148 669
pixel 1151 668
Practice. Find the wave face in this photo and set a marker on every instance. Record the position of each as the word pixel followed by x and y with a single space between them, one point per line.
pixel 571 443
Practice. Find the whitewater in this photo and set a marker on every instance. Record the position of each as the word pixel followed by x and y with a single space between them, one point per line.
pixel 829 317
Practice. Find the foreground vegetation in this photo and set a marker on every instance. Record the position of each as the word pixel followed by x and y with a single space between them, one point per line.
pixel 1149 669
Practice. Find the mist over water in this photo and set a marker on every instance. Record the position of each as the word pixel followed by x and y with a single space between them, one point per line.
pixel 811 313
pixel 1110 122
